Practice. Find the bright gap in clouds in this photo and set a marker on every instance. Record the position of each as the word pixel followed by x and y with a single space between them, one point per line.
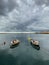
pixel 24 15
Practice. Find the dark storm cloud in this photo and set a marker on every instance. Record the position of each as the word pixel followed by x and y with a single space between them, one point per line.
pixel 12 4
pixel 24 15
pixel 7 6
pixel 25 24
pixel 41 2
pixel 2 7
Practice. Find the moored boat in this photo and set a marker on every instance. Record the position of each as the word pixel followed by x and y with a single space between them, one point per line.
pixel 14 43
pixel 35 44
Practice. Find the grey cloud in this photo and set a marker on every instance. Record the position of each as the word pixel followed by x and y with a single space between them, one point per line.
pixel 41 2
pixel 12 4
pixel 2 7
pixel 7 6
pixel 22 15
pixel 27 23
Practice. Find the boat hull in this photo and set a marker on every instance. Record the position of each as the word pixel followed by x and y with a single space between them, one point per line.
pixel 37 47
pixel 15 45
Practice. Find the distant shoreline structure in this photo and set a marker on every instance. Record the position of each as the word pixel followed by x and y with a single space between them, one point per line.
pixel 42 32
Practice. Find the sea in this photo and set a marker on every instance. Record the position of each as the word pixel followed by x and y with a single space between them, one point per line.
pixel 24 53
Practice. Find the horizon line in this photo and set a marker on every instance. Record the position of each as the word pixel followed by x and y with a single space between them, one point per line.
pixel 16 32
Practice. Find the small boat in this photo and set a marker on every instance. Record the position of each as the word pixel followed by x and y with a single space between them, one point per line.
pixel 36 46
pixel 15 43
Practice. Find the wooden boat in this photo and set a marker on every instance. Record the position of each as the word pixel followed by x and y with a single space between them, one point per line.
pixel 37 47
pixel 14 44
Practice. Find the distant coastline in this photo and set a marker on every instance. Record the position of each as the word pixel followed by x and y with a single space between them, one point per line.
pixel 45 32
pixel 41 32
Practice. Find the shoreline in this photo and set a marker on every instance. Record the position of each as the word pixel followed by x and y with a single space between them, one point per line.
pixel 24 32
pixel 42 32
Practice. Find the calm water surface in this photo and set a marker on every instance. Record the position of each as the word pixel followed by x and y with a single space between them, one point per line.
pixel 24 54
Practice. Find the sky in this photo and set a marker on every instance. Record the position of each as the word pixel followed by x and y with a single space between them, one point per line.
pixel 24 15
